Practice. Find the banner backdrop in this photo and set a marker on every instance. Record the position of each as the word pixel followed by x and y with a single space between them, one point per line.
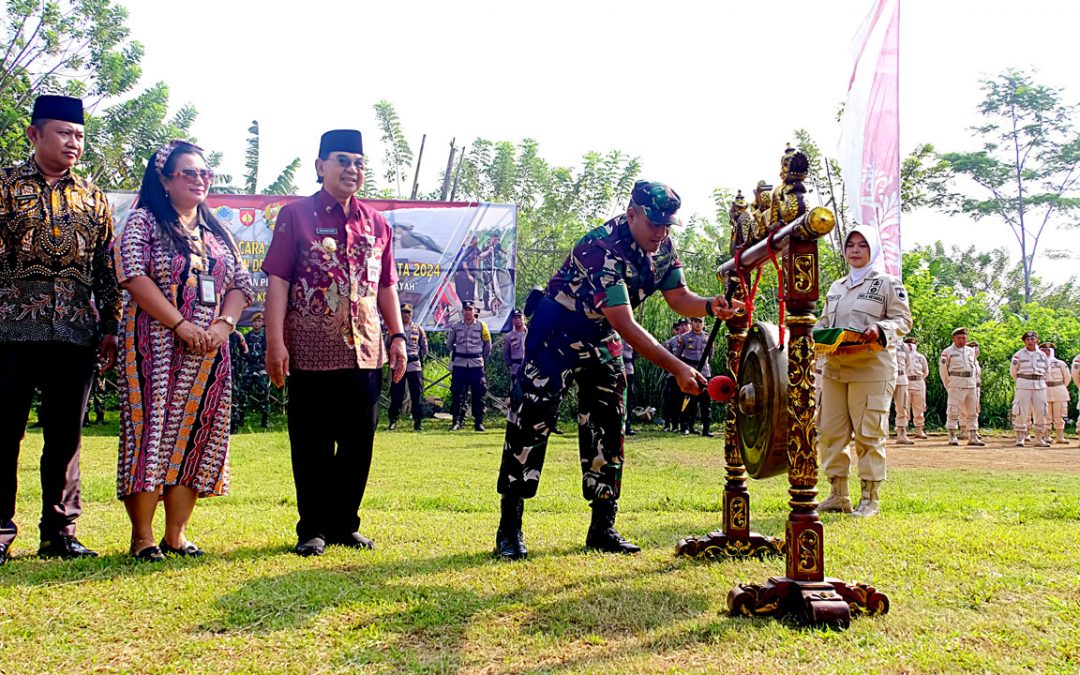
pixel 446 252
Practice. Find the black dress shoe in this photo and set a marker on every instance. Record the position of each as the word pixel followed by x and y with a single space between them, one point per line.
pixel 188 550
pixel 708 434
pixel 479 426
pixel 391 426
pixel 65 546
pixel 313 546
pixel 353 540
pixel 418 426
pixel 149 554
pixel 3 553
pixel 455 427
pixel 631 432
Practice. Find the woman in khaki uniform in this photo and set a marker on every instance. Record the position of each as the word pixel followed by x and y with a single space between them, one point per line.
pixel 857 388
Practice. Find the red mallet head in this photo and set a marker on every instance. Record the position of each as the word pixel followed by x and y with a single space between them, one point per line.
pixel 721 388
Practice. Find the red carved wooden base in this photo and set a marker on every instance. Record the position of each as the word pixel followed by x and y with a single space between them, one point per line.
pixel 719 545
pixel 829 603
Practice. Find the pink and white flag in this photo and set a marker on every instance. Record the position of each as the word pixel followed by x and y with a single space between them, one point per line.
pixel 870 135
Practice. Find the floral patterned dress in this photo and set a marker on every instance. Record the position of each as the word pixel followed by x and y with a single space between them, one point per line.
pixel 175 405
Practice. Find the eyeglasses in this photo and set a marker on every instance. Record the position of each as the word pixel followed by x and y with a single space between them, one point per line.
pixel 196 175
pixel 345 162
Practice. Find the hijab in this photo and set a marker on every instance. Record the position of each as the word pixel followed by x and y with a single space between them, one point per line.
pixel 870 233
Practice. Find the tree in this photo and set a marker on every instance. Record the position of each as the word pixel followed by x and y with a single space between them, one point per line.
pixel 71 47
pixel 399 156
pixel 1027 169
pixel 284 184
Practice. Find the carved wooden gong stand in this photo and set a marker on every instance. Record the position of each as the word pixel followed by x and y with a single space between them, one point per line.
pixel 770 428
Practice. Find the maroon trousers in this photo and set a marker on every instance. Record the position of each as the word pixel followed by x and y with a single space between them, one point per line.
pixel 61 373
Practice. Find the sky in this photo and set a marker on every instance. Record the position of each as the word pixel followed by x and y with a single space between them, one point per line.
pixel 705 94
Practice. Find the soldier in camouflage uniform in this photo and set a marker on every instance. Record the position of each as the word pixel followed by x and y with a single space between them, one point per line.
pixel 237 357
pixel 689 350
pixel 572 338
pixel 256 381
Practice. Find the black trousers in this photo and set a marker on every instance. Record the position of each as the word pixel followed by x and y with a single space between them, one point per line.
pixel 62 372
pixel 700 403
pixel 332 418
pixel 631 389
pixel 397 395
pixel 467 379
pixel 673 398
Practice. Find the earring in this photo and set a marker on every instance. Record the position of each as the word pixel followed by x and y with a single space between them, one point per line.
pixel 166 194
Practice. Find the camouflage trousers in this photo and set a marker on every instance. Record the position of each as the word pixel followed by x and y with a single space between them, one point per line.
pixel 252 396
pixel 548 371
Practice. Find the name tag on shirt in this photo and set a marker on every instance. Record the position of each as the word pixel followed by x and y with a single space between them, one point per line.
pixel 374 267
pixel 325 230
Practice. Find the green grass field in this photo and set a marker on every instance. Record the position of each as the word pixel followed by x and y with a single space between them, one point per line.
pixel 982 568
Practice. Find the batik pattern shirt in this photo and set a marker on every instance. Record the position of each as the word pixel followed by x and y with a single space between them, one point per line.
pixel 55 259
pixel 607 268
pixel 335 262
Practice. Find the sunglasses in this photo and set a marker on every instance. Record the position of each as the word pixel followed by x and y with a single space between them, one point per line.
pixel 345 162
pixel 195 175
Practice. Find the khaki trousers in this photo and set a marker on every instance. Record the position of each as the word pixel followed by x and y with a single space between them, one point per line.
pixel 1058 411
pixel 901 394
pixel 855 413
pixel 962 409
pixel 917 403
pixel 1029 404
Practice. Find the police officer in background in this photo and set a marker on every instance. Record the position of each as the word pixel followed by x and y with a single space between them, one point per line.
pixel 416 350
pixel 901 395
pixel 1076 381
pixel 238 360
pixel 690 348
pixel 672 396
pixel 918 371
pixel 1057 392
pixel 514 345
pixel 978 387
pixel 957 370
pixel 469 342
pixel 1028 367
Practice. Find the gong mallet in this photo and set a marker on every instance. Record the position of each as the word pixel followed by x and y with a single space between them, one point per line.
pixel 708 346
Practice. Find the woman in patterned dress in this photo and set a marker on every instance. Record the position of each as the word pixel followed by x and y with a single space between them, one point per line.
pixel 186 286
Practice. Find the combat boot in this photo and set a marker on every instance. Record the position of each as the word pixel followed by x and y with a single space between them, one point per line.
pixel 456 426
pixel 509 541
pixel 901 437
pixel 973 439
pixel 1061 437
pixel 602 534
pixel 839 500
pixel 1020 437
pixel 705 430
pixel 265 424
pixel 392 425
pixel 1041 440
pixel 868 506
pixel 920 433
pixel 953 437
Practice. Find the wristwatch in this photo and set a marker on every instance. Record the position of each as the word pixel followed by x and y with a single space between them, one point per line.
pixel 229 320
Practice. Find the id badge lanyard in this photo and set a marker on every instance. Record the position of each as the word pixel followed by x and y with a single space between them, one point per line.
pixel 205 282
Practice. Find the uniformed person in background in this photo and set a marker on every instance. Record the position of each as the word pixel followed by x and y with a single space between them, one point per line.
pixel 1057 391
pixel 672 396
pixel 514 345
pixel 631 384
pixel 469 343
pixel 256 391
pixel 978 388
pixel 1076 382
pixel 918 371
pixel 416 350
pixel 858 387
pixel 1028 367
pixel 957 369
pixel 901 395
pixel 690 348
pixel 238 363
